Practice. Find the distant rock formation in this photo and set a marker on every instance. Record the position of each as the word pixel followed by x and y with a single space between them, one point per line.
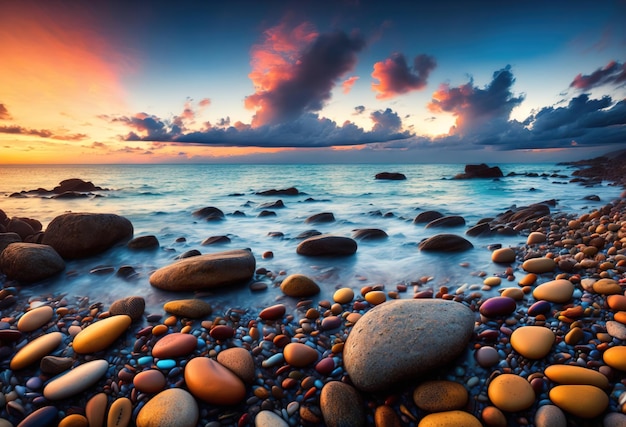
pixel 394 176
pixel 480 171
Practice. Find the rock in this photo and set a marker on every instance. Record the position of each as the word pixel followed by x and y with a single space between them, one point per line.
pixel 74 420
pixel 616 302
pixel 343 296
pixel 307 234
pixel 487 356
pixel 174 345
pixel 188 254
pixel 120 412
pixel 192 308
pixel 394 176
pixel 291 191
pixel 503 255
pixel 35 318
pixel 498 306
pixel 76 380
pixel 54 365
pixel 144 243
pixel 375 297
pixel 320 218
pixel 480 171
pixel 173 407
pixel 341 405
pixel 445 243
pixel 299 286
pixel 493 417
pixel 132 306
pixel 616 329
pixel 482 229
pixel 80 235
pixel 221 332
pixel 35 350
pixel 511 393
pixel 385 416
pixel 327 245
pixel 535 238
pixel 607 287
pixel 209 213
pixel 614 419
pixel 300 355
pixel 206 271
pixel 450 419
pixel 369 234
pixel 550 416
pixel 211 382
pixel 101 334
pixel 240 361
pixel 539 265
pixel 77 185
pixel 402 340
pixel 268 418
pixel 30 262
pixel 532 342
pixel 447 221
pixel 7 238
pixel 150 381
pixel 615 357
pixel 95 409
pixel 215 240
pixel 558 291
pixel 278 204
pixel 572 374
pixel 427 216
pixel 19 227
pixel 42 417
pixel 585 401
pixel 273 313
pixel 440 396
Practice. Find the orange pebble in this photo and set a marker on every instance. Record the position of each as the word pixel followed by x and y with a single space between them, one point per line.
pixel 159 330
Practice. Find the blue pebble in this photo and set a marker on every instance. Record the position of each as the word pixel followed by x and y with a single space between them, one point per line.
pixel 166 364
pixel 319 384
pixel 34 383
pixel 273 360
pixel 201 343
pixel 247 338
pixel 145 360
pixel 336 371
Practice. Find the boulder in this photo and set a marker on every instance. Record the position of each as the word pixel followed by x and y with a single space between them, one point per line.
pixel 447 221
pixel 403 340
pixel 427 216
pixel 291 191
pixel 320 217
pixel 7 238
pixel 75 185
pixel 79 235
pixel 369 234
pixel 480 171
pixel 209 213
pixel 206 271
pixel 445 243
pixel 144 243
pixel 393 176
pixel 20 227
pixel 30 262
pixel 327 245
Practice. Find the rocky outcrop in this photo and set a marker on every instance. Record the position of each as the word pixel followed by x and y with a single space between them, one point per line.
pixel 480 171
pixel 291 191
pixel 393 176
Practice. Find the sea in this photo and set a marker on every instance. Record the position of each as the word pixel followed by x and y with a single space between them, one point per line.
pixel 159 200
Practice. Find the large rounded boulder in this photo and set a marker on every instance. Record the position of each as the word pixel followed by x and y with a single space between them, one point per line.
pixel 327 245
pixel 403 340
pixel 80 235
pixel 445 243
pixel 206 271
pixel 30 262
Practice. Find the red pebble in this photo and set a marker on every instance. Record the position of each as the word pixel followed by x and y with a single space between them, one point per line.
pixel 272 313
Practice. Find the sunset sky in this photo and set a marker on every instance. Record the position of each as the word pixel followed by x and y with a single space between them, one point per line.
pixel 311 81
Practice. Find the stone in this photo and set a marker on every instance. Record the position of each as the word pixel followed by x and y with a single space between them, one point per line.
pixel 615 357
pixel 394 176
pixel 192 308
pixel 369 234
pixel 558 291
pixel 616 329
pixel 375 297
pixel 221 332
pixel 516 293
pixel 213 383
pixel 487 356
pixel 74 420
pixel 493 417
pixel 447 221
pixel 101 334
pixel 511 393
pixel 572 374
pixel 75 380
pixel 385 416
pixel 95 410
pixel 240 361
pixel 35 318
pixel 20 227
pixel 174 407
pixel 539 265
pixel 132 306
pixel 532 342
pixel 480 171
pixel 75 184
pixel 343 296
pixel 584 401
pixel 481 229
pixel 299 286
pixel 273 313
pixel 616 302
pixel 402 340
pixel 206 271
pixel 42 417
pixel 215 240
pixel 320 218
pixel 150 381
pixel 209 213
pixel 445 243
pixel 498 306
pixel 7 238
pixel 268 418
pixel 143 243
pixel 80 235
pixel 503 256
pixel 120 412
pixel 35 350
pixel 54 365
pixel 300 355
pixel 450 419
pixel 173 345
pixel 426 217
pixel 440 396
pixel 607 287
pixel 614 419
pixel 550 416
pixel 341 405
pixel 30 262
pixel 535 237
pixel 327 245
pixel 291 191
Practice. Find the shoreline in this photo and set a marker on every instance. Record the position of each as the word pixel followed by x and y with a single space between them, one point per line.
pixel 295 392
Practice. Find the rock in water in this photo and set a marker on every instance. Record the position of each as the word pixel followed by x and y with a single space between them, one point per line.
pixel 30 262
pixel 173 407
pixel 445 243
pixel 299 285
pixel 79 235
pixel 404 339
pixel 206 271
pixel 326 245
pixel 341 405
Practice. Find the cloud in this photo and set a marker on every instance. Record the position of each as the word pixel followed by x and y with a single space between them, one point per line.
pixel 386 121
pixel 474 107
pixel 395 77
pixel 359 109
pixel 205 102
pixel 295 69
pixel 348 83
pixel 613 73
pixel 43 133
pixel 4 113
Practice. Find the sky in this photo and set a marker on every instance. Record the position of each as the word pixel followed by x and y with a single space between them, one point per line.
pixel 343 81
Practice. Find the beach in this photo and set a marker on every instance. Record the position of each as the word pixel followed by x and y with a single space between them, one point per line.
pixel 514 315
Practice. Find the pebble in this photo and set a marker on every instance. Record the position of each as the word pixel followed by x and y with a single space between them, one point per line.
pixel 615 357
pixel 511 393
pixel 487 356
pixel 375 297
pixel 539 265
pixel 74 420
pixel 585 401
pixel 299 355
pixel 550 416
pixel 535 237
pixel 492 281
pixel 450 419
pixel 213 383
pixel 533 342
pixel 175 344
pixel 558 291
pixel 173 407
pixel 76 380
pixel 150 381
pixel 570 374
pixel 493 417
pixel 299 286
pixel 616 329
pixel 341 405
pixel 385 416
pixel 240 361
pixel 120 412
pixel 616 302
pixel 614 419
pixel 192 308
pixel 95 409
pixel 607 287
pixel 440 395
pixel 343 296
pixel 498 306
pixel 503 256
pixel 269 419
pixel 101 334
pixel 35 350
pixel 42 417
pixel 273 313
pixel 35 318
pixel 132 306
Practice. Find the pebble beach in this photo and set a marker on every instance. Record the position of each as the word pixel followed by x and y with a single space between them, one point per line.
pixel 541 342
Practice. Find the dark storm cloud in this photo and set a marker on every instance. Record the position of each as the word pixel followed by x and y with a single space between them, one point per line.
pixel 386 121
pixel 395 77
pixel 4 113
pixel 613 73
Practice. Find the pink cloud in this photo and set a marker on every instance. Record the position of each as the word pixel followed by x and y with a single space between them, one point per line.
pixel 348 83
pixel 395 77
pixel 612 73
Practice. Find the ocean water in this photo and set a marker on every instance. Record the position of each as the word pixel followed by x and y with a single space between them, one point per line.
pixel 160 199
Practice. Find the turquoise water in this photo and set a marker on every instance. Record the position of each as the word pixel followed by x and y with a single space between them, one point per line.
pixel 159 200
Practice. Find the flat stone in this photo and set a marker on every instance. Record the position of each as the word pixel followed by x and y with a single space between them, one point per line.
pixel 299 286
pixel 532 342
pixel 585 401
pixel 75 380
pixel 615 357
pixel 206 271
pixel 35 318
pixel 550 416
pixel 30 262
pixel 511 393
pixel 101 334
pixel 558 291
pixel 539 265
pixel 440 396
pixel 327 245
pixel 192 308
pixel 450 419
pixel 571 374
pixel 35 350
pixel 174 407
pixel 173 345
pixel 402 340
pixel 341 405
pixel 213 383
pixel 240 361
pixel 300 355
pixel 616 329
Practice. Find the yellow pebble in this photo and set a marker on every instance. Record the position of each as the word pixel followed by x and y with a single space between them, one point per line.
pixel 171 321
pixel 159 330
pixel 375 297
